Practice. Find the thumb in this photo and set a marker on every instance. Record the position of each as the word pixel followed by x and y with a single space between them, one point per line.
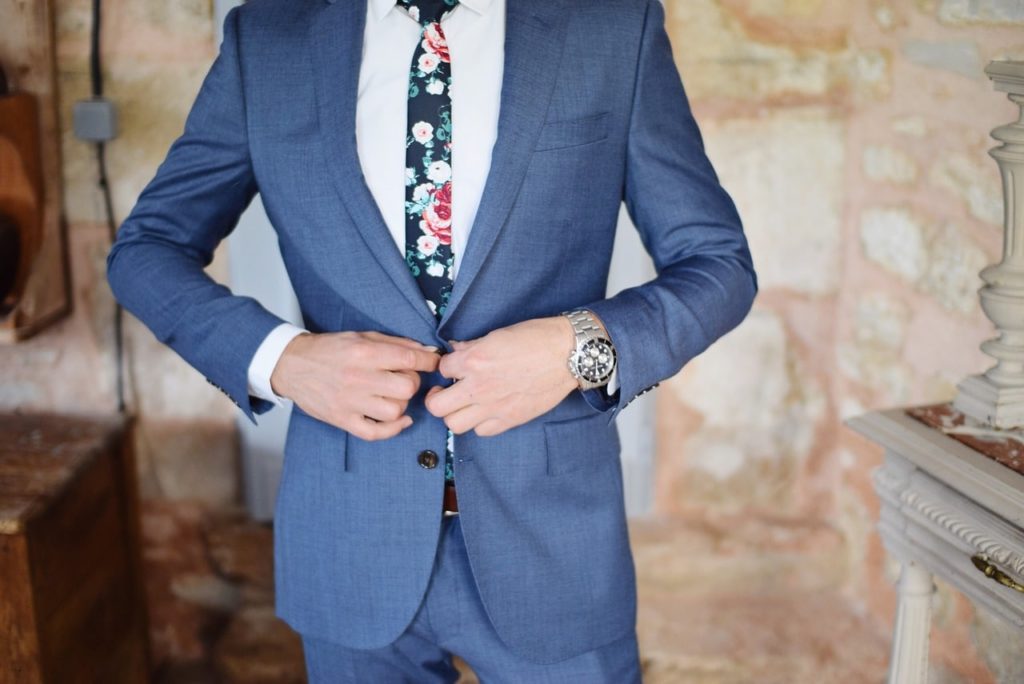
pixel 433 390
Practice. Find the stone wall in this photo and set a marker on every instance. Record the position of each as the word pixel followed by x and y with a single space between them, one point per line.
pixel 853 136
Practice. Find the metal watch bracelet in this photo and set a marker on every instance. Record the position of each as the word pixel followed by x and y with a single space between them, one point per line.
pixel 586 328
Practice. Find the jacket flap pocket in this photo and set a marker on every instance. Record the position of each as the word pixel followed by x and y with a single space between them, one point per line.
pixel 576 444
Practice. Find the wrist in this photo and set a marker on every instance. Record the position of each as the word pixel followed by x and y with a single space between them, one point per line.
pixel 279 376
pixel 565 338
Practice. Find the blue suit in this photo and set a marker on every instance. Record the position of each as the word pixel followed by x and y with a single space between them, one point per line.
pixel 593 112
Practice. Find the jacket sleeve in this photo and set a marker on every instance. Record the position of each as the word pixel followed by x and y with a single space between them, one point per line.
pixel 156 264
pixel 705 283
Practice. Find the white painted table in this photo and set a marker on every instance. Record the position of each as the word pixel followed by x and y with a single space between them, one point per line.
pixel 946 511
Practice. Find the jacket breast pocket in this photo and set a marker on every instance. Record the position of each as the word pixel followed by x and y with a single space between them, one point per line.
pixel 555 135
pixel 580 444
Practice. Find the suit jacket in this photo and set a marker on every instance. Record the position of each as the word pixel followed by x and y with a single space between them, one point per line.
pixel 593 112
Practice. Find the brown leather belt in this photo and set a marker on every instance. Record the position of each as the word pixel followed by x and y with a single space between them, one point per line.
pixel 451 504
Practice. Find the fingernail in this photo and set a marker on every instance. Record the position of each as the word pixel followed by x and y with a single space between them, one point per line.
pixel 431 348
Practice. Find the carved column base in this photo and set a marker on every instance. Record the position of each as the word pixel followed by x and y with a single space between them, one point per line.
pixel 985 401
pixel 909 664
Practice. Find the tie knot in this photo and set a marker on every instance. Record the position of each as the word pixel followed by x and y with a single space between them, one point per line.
pixel 427 11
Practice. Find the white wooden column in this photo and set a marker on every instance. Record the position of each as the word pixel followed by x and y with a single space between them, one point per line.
pixel 997 397
pixel 909 662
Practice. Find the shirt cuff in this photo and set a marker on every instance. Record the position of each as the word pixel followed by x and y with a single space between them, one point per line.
pixel 613 381
pixel 265 360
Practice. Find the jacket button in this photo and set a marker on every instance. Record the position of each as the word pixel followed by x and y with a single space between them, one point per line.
pixel 427 459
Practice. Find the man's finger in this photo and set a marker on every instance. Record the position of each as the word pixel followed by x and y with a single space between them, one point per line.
pixel 453 365
pixel 402 384
pixel 465 419
pixel 491 427
pixel 411 374
pixel 367 429
pixel 383 409
pixel 378 336
pixel 449 399
pixel 402 357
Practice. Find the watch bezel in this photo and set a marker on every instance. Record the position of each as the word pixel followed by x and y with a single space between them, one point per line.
pixel 586 375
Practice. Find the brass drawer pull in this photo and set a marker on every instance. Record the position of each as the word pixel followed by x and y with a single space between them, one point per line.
pixel 982 563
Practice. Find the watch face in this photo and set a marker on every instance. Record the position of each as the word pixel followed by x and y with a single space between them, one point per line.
pixel 595 360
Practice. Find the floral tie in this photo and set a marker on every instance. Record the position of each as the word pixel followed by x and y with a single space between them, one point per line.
pixel 428 165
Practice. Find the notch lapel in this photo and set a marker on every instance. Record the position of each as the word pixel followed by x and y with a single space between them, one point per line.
pixel 534 37
pixel 336 35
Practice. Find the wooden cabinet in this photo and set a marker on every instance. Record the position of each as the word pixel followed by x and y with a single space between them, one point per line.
pixel 71 601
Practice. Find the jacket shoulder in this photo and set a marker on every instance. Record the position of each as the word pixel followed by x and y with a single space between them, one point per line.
pixel 277 17
pixel 613 9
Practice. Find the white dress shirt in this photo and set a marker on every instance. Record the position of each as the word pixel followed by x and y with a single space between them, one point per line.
pixel 475 31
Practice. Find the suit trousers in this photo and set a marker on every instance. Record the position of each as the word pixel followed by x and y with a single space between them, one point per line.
pixel 451 619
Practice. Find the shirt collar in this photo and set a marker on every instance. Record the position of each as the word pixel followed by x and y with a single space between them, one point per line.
pixel 382 7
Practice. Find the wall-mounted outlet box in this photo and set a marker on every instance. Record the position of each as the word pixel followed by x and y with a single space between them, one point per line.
pixel 95 120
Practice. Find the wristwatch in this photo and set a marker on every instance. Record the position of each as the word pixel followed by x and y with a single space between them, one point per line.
pixel 593 359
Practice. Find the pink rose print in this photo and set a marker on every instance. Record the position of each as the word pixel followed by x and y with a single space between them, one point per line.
pixel 422 132
pixel 444 200
pixel 434 41
pixel 428 62
pixel 427 244
pixel 437 216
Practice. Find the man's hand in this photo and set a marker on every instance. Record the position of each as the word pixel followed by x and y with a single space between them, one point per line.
pixel 505 378
pixel 360 382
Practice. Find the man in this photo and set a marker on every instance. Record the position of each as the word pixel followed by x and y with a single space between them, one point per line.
pixel 444 178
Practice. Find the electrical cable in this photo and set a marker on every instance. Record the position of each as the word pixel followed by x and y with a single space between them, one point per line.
pixel 96 78
pixel 95 58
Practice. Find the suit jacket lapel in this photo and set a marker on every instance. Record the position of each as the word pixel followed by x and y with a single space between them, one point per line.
pixel 337 45
pixel 534 36
pixel 533 42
